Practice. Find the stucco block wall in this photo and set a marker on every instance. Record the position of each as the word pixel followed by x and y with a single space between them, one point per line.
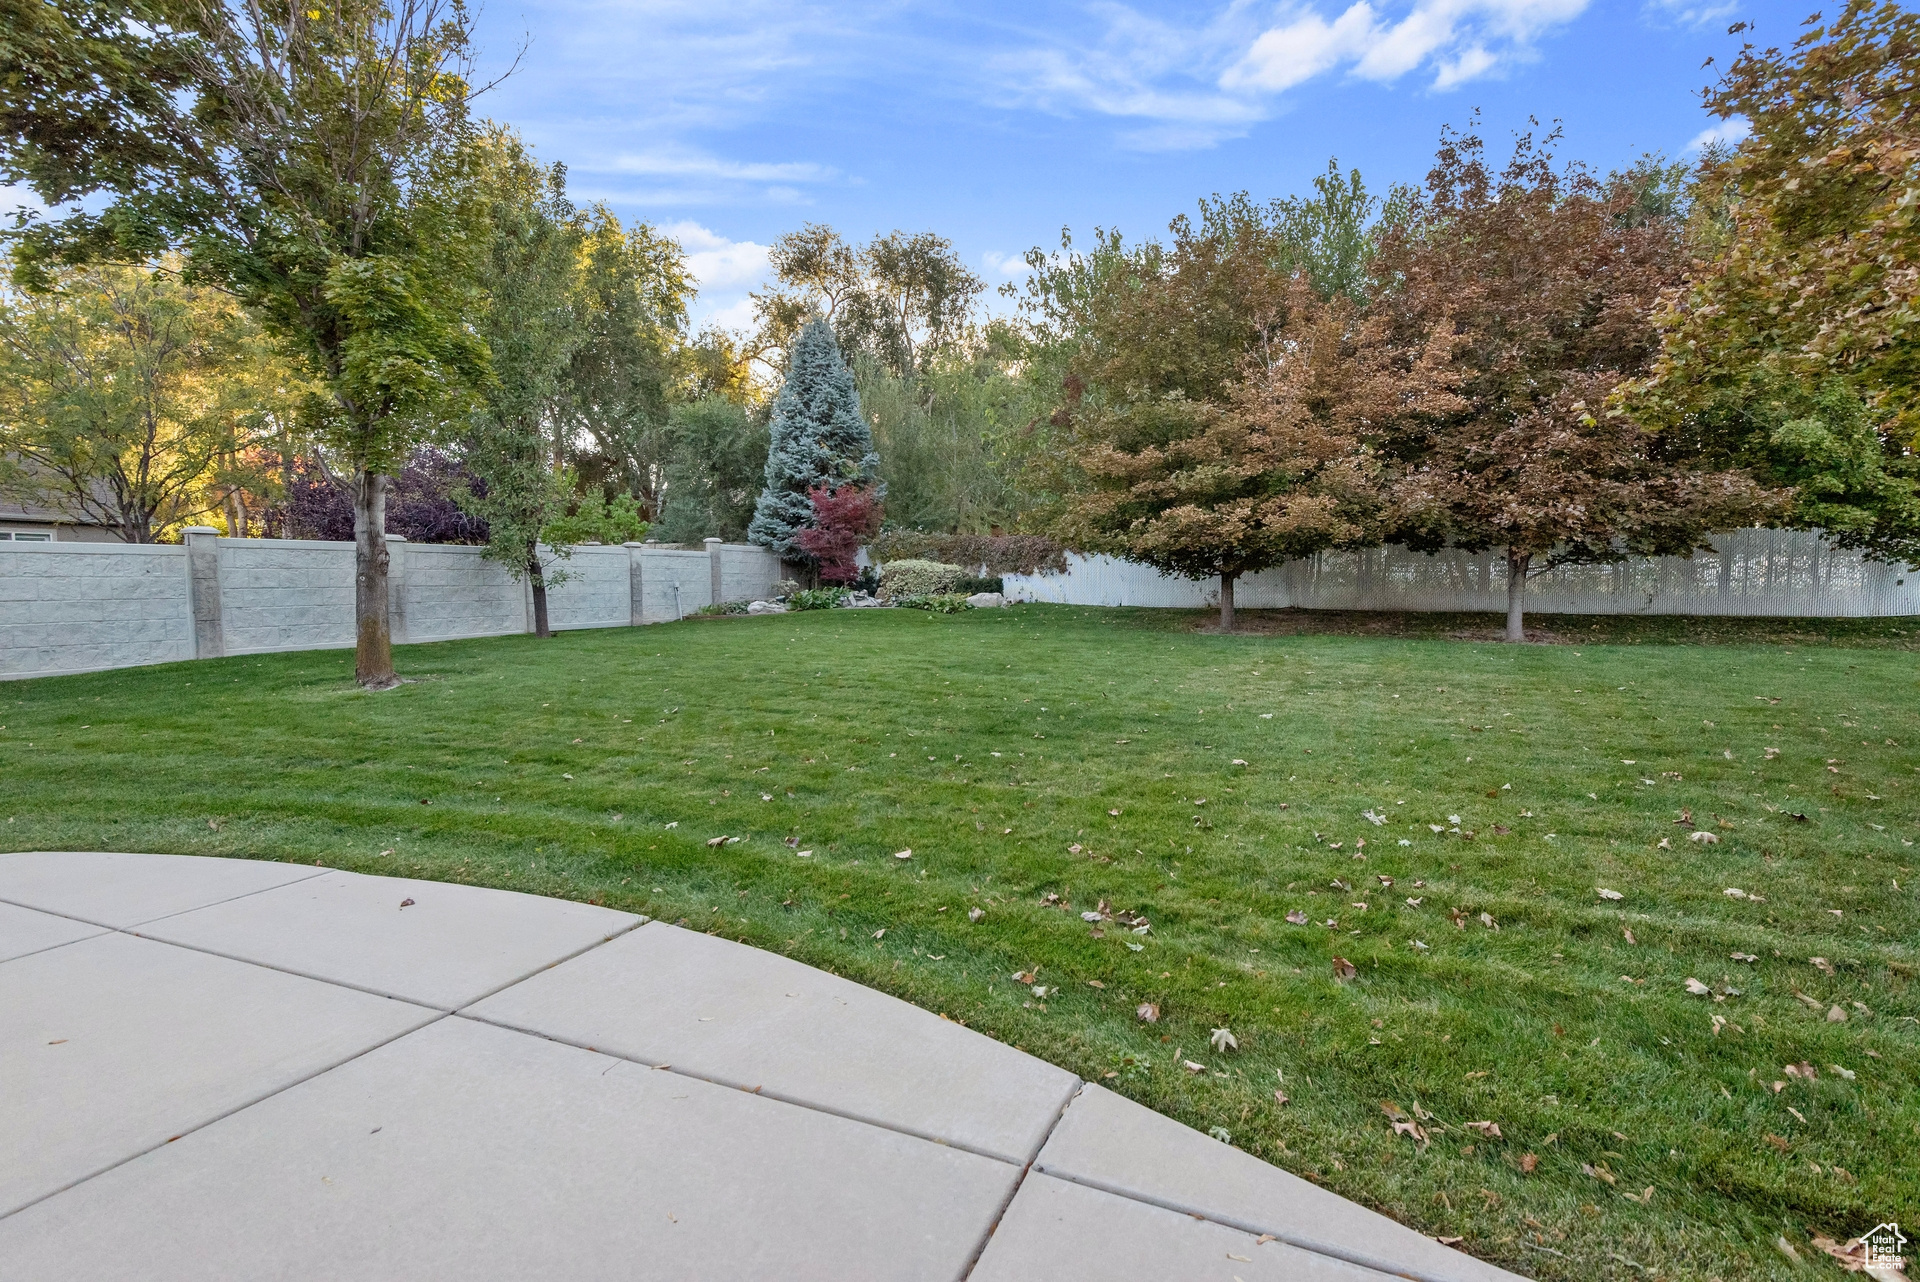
pixel 285 594
pixel 673 584
pixel 748 573
pixel 80 607
pixel 595 592
pixel 453 592
pixel 72 607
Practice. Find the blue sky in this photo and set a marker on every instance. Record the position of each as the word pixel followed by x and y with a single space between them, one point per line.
pixel 996 124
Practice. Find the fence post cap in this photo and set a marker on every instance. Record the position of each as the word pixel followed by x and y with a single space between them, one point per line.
pixel 631 544
pixel 395 538
pixel 197 529
pixel 713 540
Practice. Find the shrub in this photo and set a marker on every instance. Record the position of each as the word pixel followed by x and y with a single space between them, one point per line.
pixel 998 553
pixel 967 585
pixel 723 607
pixel 843 519
pixel 937 602
pixel 918 578
pixel 816 598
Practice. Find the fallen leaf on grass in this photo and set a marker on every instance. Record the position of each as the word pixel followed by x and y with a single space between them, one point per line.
pixel 1704 836
pixel 1643 1197
pixel 1343 970
pixel 1024 977
pixel 1697 988
pixel 1626 933
pixel 1489 1129
pixel 1604 893
pixel 975 914
pixel 1149 1012
pixel 1835 1015
pixel 1280 1098
pixel 1600 1172
pixel 1778 1141
pixel 1297 918
pixel 1822 965
pixel 1223 1041
pixel 880 932
pixel 1744 957
pixel 716 841
pixel 903 854
pixel 1838 1071
pixel 1192 1067
pixel 1528 1162
pixel 1802 1070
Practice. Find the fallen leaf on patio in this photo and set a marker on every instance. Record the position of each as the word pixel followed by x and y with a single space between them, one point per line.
pixel 1343 970
pixel 1604 893
pixel 406 903
pixel 1149 1012
pixel 1223 1041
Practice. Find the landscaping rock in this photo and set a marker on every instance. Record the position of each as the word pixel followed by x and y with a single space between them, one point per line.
pixel 986 600
pixel 765 607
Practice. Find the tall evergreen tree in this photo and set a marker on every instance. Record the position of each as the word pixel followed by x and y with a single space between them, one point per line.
pixel 819 440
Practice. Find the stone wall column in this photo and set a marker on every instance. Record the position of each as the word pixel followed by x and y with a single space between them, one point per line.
pixel 203 590
pixel 397 588
pixel 636 596
pixel 715 571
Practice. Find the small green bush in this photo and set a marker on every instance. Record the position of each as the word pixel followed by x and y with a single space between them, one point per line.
pixel 937 602
pixel 816 598
pixel 723 607
pixel 968 585
pixel 918 578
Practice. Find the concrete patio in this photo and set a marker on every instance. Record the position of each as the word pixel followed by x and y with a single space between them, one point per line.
pixel 215 1068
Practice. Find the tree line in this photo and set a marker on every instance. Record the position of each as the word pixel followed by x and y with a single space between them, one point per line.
pixel 287 263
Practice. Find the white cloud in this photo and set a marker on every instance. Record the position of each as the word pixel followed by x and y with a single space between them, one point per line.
pixel 1460 39
pixel 692 164
pixel 1199 84
pixel 725 270
pixel 1692 13
pixel 1730 132
pixel 1007 265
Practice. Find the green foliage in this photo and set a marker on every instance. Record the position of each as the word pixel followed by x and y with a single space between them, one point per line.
pixel 126 396
pixel 816 598
pixel 967 585
pixel 717 463
pixel 597 519
pixel 935 602
pixel 630 303
pixel 996 553
pixel 532 333
pixel 716 609
pixel 910 577
pixel 817 438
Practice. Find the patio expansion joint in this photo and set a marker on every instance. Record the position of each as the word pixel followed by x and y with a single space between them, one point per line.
pixel 753 1089
pixel 221 1117
pixel 1313 1245
pixel 980 1247
pixel 148 921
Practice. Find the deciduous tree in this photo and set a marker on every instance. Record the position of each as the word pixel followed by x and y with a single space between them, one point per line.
pixel 1542 280
pixel 312 159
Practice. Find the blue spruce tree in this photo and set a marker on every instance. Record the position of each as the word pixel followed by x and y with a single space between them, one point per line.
pixel 818 438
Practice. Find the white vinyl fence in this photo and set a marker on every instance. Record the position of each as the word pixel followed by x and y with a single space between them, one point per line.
pixel 1792 573
pixel 83 607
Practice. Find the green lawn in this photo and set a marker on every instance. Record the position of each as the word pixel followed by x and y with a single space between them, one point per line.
pixel 1097 757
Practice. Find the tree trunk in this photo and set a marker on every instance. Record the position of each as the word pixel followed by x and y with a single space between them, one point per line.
pixel 1517 594
pixel 1226 600
pixel 373 633
pixel 537 579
